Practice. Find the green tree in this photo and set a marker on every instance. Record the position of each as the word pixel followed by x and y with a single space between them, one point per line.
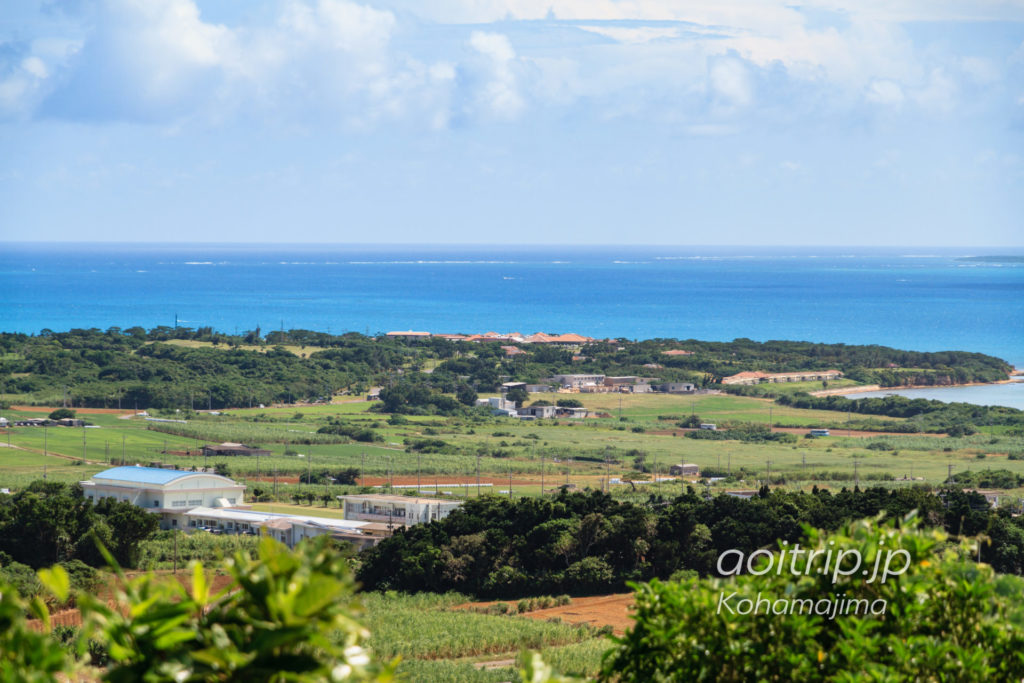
pixel 288 616
pixel 517 394
pixel 62 413
pixel 945 618
pixel 466 395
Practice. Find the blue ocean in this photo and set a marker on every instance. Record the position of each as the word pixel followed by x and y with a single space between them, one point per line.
pixel 923 300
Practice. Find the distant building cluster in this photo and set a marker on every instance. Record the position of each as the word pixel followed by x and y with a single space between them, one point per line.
pixel 47 422
pixel 509 338
pixel 759 377
pixel 602 384
pixel 204 501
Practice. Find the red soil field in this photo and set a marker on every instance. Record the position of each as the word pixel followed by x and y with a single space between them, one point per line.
pixel 598 610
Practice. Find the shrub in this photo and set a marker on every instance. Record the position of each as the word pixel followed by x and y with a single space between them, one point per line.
pixel 946 618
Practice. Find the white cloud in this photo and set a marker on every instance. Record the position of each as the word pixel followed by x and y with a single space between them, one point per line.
pixel 730 82
pixel 498 93
pixel 633 36
pixel 365 61
pixel 885 93
pixel 938 93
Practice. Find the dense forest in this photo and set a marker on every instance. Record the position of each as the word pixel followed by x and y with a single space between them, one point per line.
pixel 590 543
pixel 141 368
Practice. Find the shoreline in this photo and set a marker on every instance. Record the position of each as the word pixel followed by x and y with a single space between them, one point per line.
pixel 868 388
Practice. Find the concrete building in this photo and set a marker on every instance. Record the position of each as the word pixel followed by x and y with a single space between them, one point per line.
pixel 677 387
pixel 759 377
pixel 577 382
pixel 685 470
pixel 289 529
pixel 538 412
pixel 498 406
pixel 394 510
pixel 169 493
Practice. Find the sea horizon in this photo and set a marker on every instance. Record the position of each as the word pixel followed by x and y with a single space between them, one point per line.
pixel 922 299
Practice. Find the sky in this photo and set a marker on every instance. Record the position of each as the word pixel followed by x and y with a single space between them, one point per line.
pixel 704 122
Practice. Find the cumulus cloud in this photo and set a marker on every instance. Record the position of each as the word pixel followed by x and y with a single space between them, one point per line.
pixel 361 62
pixel 494 71
pixel 730 82
pixel 159 60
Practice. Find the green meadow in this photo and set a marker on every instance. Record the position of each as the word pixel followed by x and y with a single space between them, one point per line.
pixel 638 436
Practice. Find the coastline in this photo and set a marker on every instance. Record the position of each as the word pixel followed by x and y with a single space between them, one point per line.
pixel 877 387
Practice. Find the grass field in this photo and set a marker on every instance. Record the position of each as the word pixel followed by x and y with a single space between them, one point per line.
pixel 301 351
pixel 501 446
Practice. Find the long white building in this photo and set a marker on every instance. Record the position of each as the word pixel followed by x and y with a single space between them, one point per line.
pixel 395 510
pixel 169 493
pixel 202 500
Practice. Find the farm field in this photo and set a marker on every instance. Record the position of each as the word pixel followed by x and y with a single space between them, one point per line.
pixel 438 642
pixel 437 451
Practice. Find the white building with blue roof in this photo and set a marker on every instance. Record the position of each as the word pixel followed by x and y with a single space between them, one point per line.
pixel 169 493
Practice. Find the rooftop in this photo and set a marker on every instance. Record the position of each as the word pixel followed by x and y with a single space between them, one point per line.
pixel 385 498
pixel 145 475
pixel 254 517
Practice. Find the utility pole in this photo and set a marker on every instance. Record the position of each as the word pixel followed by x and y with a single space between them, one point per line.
pixel 44 440
pixel 477 475
pixel 362 468
pixel 949 473
pixel 175 551
pixel 769 475
pixel 419 456
pixel 122 449
pixel 83 443
pixel 510 481
pixel 657 479
pixel 542 473
pixel 770 421
pixel 856 474
pixel 607 481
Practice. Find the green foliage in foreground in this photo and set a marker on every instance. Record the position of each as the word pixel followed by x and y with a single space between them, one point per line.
pixel 947 619
pixel 157 552
pixel 292 616
pixel 287 616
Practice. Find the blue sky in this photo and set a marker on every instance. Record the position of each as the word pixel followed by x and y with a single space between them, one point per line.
pixel 877 122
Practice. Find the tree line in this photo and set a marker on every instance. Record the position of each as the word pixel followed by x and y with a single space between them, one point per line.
pixel 588 542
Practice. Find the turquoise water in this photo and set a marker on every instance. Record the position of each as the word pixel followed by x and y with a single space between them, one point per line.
pixel 1010 394
pixel 910 298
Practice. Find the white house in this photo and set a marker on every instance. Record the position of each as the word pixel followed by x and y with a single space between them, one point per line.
pixel 394 510
pixel 169 493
